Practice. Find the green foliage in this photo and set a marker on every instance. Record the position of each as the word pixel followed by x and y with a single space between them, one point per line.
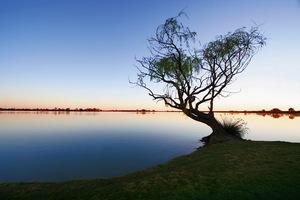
pixel 173 32
pixel 171 61
pixel 235 127
pixel 169 68
pixel 228 46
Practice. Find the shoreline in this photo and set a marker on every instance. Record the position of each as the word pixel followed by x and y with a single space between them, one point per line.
pixel 144 110
pixel 234 169
pixel 274 114
pixel 81 110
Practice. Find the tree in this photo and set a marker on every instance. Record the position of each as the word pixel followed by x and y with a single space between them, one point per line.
pixel 292 110
pixel 191 76
pixel 276 110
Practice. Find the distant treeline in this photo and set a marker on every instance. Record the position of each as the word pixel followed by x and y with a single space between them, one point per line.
pixel 275 113
pixel 274 110
pixel 77 110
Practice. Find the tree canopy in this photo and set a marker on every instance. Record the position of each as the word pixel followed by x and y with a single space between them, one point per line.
pixel 193 76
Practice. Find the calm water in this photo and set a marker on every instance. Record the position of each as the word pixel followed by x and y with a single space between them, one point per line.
pixel 59 146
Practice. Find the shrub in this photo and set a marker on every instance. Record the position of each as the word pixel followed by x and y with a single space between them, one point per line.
pixel 235 127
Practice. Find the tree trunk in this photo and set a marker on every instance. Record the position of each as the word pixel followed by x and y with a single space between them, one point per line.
pixel 218 134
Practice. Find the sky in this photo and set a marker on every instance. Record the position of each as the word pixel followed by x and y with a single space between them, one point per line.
pixel 81 53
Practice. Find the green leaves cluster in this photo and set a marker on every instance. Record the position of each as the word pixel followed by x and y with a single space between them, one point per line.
pixel 173 31
pixel 230 45
pixel 169 59
pixel 169 67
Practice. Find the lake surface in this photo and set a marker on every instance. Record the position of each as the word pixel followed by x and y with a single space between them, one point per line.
pixel 53 146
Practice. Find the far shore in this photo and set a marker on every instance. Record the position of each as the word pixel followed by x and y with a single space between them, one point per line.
pixel 82 110
pixel 273 111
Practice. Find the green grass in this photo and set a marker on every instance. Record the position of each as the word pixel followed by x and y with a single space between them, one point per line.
pixel 230 170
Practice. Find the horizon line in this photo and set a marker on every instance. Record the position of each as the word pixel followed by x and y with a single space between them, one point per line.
pixel 274 110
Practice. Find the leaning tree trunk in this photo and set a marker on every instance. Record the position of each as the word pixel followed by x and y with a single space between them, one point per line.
pixel 218 135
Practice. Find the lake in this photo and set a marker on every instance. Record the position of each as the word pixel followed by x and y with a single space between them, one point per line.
pixel 54 146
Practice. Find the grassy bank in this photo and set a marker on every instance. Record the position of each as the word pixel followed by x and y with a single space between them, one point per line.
pixel 231 170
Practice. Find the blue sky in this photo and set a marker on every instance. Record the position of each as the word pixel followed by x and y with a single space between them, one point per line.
pixel 80 53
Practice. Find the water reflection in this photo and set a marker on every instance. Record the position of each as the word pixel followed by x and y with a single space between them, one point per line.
pixel 46 146
pixel 268 127
pixel 52 146
pixel 278 115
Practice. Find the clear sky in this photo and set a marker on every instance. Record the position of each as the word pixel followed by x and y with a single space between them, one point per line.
pixel 80 53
